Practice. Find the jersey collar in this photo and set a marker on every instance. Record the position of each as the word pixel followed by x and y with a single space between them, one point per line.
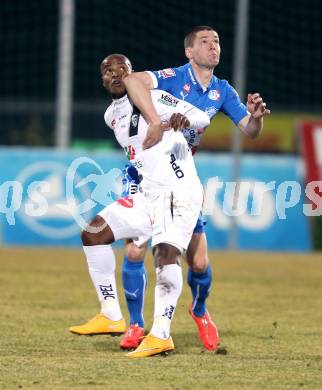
pixel 120 100
pixel 195 82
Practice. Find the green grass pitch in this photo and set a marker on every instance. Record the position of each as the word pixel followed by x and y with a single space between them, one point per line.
pixel 268 308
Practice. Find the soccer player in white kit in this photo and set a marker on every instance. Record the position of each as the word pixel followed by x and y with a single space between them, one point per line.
pixel 165 209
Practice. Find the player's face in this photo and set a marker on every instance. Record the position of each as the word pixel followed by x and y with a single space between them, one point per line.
pixel 113 69
pixel 205 51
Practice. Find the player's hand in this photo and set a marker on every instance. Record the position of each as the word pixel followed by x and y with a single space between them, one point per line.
pixel 154 135
pixel 256 106
pixel 178 121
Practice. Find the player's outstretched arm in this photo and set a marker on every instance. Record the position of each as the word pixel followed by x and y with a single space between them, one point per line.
pixel 138 86
pixel 252 124
pixel 185 115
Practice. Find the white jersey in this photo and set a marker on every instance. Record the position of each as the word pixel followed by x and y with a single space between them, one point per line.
pixel 158 166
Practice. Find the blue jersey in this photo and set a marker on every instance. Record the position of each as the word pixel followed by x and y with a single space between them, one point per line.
pixel 218 96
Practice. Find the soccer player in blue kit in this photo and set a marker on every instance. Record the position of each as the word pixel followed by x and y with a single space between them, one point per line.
pixel 195 83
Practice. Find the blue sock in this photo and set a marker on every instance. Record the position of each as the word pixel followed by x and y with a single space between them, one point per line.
pixel 134 282
pixel 200 284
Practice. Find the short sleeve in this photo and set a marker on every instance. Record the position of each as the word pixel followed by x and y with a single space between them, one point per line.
pixel 232 105
pixel 164 79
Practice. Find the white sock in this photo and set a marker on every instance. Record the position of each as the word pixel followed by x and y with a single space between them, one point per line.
pixel 101 265
pixel 167 292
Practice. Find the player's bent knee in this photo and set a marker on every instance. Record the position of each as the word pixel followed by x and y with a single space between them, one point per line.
pixel 198 262
pixel 88 239
pixel 97 233
pixel 165 254
pixel 199 265
pixel 134 253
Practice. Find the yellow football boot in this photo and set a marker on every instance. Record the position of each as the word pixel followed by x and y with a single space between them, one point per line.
pixel 100 325
pixel 152 345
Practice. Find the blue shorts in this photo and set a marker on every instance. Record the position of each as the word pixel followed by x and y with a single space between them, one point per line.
pixel 200 226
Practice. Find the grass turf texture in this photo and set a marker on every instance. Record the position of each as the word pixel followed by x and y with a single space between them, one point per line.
pixel 268 308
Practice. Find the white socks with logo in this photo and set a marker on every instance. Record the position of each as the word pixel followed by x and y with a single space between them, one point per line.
pixel 167 292
pixel 101 266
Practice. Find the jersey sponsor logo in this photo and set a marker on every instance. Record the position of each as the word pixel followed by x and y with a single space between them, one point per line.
pixel 168 100
pixel 176 168
pixel 126 202
pixel 130 152
pixel 214 94
pixel 192 136
pixel 187 87
pixel 113 123
pixel 211 111
pixel 165 73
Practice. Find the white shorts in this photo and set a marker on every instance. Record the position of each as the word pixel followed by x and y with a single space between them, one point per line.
pixel 166 217
pixel 176 215
pixel 129 217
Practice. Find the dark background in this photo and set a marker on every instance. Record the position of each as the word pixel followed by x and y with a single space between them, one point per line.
pixel 284 55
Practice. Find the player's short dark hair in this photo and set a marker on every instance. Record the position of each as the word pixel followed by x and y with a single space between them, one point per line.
pixel 190 37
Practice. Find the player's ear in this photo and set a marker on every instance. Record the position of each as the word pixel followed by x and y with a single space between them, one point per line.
pixel 188 52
